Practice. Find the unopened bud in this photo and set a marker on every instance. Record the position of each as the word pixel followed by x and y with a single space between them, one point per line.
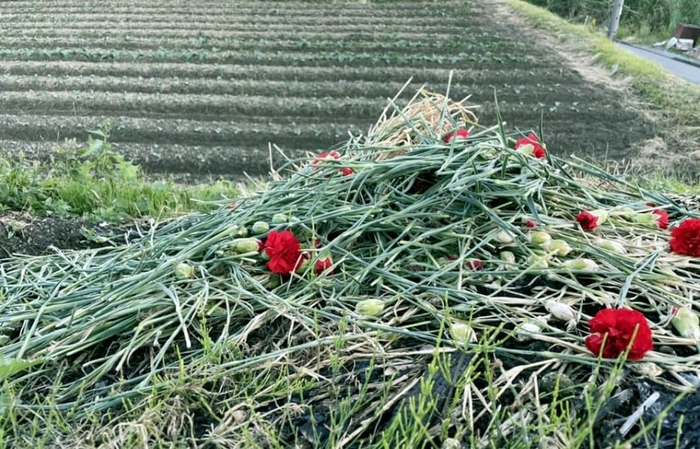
pixel 537 261
pixel 647 369
pixel 507 256
pixel 541 238
pixel 623 211
pixel 260 227
pixel 581 265
pixel 242 232
pixel 504 237
pixel 451 443
pixel 323 264
pixel 279 219
pixel 647 218
pixel 559 248
pixel 474 265
pixel 686 323
pixel 527 330
pixel 370 307
pixel 601 214
pixel 561 311
pixel 247 245
pixel 526 149
pixel 273 282
pixel 461 332
pixel 184 271
pixel 611 245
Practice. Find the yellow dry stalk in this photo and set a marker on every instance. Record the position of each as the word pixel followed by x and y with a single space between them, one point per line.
pixel 425 112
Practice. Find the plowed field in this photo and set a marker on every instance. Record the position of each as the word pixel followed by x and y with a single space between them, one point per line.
pixel 203 88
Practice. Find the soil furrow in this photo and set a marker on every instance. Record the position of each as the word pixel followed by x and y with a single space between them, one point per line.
pixel 401 9
pixel 253 98
pixel 137 104
pixel 292 132
pixel 443 48
pixel 236 19
pixel 194 72
pixel 338 34
pixel 206 26
pixel 318 59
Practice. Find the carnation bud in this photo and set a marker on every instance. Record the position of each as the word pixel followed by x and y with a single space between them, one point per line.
pixel 601 214
pixel 461 332
pixel 303 266
pixel 647 369
pixel 507 256
pixel 559 248
pixel 323 264
pixel 526 149
pixel 274 282
pixel 623 211
pixel 474 265
pixel 279 219
pixel 370 307
pixel 561 311
pixel 686 323
pixel 540 238
pixel 647 218
pixel 247 245
pixel 537 261
pixel 581 264
pixel 504 237
pixel 413 265
pixel 184 271
pixel 260 227
pixel 242 232
pixel 527 330
pixel 451 443
pixel 611 245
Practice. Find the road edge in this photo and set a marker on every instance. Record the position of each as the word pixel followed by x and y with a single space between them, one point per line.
pixel 675 101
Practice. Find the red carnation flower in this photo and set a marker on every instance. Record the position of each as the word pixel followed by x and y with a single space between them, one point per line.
pixel 618 330
pixel 322 264
pixel 461 134
pixel 327 155
pixel 474 265
pixel 346 171
pixel 587 220
pixel 538 152
pixel 284 251
pixel 662 219
pixel 530 224
pixel 685 238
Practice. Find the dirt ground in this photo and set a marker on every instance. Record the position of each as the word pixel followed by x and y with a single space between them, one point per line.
pixel 24 234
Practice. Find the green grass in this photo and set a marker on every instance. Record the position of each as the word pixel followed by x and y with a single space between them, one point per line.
pixel 675 103
pixel 97 184
pixel 641 34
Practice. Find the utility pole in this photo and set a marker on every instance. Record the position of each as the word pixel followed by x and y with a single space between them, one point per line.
pixel 615 18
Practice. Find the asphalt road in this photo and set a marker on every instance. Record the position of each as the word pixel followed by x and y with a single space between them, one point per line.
pixel 681 69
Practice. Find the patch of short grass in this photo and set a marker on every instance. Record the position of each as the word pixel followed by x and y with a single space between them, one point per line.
pixel 98 184
pixel 641 34
pixel 675 102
